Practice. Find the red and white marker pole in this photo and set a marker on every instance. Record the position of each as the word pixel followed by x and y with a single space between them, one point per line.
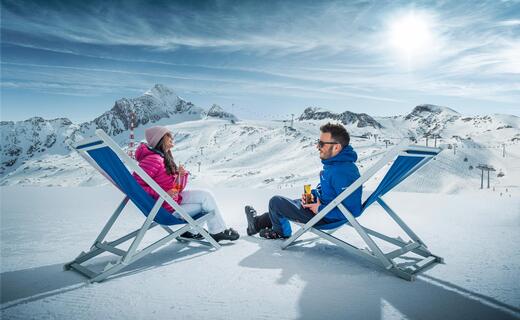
pixel 131 143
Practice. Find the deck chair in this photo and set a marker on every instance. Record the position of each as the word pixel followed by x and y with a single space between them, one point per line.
pixel 406 160
pixel 112 162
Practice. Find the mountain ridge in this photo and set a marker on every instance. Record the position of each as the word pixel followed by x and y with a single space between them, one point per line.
pixel 22 140
pixel 36 136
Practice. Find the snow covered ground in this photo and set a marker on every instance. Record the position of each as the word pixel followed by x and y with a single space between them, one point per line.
pixel 44 227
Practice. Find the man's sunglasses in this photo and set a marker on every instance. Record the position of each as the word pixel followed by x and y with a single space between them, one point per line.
pixel 321 144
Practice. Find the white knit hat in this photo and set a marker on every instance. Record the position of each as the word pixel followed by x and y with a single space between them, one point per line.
pixel 154 135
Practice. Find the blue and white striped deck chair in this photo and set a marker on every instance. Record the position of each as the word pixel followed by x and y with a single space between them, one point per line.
pixel 114 164
pixel 406 160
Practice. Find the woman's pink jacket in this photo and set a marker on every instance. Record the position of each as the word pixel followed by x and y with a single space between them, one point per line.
pixel 153 164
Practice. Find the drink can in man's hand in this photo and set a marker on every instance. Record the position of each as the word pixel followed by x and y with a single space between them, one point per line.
pixel 307 193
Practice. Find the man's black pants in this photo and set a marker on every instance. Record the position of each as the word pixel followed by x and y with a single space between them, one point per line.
pixel 282 209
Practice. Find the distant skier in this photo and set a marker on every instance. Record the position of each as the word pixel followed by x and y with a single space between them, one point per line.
pixel 339 172
pixel 156 159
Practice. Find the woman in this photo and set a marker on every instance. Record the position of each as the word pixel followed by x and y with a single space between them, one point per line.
pixel 156 159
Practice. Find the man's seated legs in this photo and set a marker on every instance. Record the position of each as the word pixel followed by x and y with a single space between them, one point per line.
pixel 281 210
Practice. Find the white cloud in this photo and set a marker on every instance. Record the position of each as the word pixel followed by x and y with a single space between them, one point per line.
pixel 509 23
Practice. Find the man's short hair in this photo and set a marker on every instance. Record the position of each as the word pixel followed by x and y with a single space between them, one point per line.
pixel 338 133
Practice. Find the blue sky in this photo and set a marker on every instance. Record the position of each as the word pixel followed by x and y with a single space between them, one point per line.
pixel 260 59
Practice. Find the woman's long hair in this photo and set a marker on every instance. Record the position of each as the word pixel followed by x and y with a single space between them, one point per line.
pixel 171 167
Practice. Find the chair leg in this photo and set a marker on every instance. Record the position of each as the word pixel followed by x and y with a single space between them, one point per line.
pixel 387 264
pixel 111 221
pixel 142 231
pixel 400 222
pixel 95 251
pixel 329 232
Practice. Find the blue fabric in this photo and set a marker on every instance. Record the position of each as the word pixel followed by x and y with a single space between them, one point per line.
pixel 332 225
pixel 114 167
pixel 397 173
pixel 338 173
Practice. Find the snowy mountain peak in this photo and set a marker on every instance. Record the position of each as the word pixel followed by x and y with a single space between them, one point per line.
pixel 361 120
pixel 39 121
pixel 157 103
pixel 215 108
pixel 426 109
pixel 216 111
pixel 162 92
pixel 313 110
pixel 428 119
pixel 159 90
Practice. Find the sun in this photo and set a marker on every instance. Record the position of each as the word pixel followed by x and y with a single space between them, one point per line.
pixel 411 35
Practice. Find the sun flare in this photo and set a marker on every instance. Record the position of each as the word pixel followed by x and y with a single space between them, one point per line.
pixel 411 35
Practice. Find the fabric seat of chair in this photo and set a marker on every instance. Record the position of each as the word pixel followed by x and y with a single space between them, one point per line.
pixel 399 170
pixel 331 225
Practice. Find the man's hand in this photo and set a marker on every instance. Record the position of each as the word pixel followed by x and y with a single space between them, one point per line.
pixel 304 198
pixel 312 206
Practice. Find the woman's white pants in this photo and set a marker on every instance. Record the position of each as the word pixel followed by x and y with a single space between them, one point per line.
pixel 196 201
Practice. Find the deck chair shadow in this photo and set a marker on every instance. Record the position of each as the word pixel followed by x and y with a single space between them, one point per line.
pixel 406 161
pixel 114 164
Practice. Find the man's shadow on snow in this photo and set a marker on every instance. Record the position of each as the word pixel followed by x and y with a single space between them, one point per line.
pixel 340 285
pixel 22 286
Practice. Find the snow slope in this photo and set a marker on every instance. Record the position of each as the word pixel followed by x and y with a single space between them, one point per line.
pixel 42 228
pixel 264 154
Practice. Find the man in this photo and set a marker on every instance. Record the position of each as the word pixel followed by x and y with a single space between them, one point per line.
pixel 339 172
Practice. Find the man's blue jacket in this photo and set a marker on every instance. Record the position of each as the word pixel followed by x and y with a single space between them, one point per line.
pixel 338 173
